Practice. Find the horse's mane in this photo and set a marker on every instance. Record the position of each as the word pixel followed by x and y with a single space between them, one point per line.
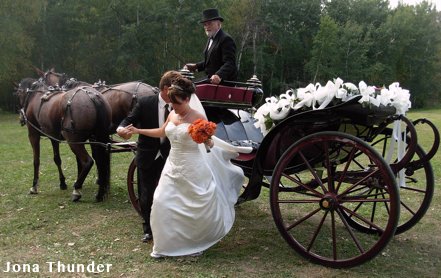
pixel 26 83
pixel 73 83
pixel 36 85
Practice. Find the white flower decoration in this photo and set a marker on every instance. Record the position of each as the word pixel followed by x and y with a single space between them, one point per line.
pixel 315 96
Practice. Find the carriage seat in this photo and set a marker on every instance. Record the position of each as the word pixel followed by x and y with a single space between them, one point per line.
pixel 229 97
pixel 245 157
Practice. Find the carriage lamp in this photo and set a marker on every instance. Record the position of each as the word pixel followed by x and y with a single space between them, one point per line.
pixel 186 73
pixel 254 81
pixel 256 85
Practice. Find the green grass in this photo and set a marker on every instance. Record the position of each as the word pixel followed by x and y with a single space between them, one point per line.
pixel 35 229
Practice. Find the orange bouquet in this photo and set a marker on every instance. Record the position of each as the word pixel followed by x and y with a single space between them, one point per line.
pixel 201 131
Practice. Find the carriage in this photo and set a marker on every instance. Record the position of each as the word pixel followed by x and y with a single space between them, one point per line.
pixel 337 192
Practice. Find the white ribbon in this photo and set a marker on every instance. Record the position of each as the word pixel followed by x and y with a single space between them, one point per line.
pixel 315 97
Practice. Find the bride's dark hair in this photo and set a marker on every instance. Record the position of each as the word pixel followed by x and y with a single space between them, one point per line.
pixel 180 89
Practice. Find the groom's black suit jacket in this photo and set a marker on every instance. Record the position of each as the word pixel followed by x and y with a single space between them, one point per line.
pixel 145 115
pixel 220 58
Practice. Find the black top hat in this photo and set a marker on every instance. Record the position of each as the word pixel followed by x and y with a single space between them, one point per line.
pixel 211 14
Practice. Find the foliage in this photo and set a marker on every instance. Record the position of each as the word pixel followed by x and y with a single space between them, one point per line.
pixel 286 43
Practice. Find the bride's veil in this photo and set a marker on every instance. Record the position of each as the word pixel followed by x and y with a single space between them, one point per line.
pixel 196 104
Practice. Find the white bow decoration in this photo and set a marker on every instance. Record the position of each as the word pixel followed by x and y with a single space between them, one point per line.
pixel 316 96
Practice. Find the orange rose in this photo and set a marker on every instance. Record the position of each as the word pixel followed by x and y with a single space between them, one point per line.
pixel 201 130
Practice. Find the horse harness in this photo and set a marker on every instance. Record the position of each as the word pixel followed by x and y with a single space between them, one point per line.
pixel 68 110
pixel 135 94
pixel 94 97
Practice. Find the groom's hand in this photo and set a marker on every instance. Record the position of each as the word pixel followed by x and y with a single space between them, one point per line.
pixel 123 132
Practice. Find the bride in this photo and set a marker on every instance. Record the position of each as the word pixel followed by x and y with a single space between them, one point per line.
pixel 193 205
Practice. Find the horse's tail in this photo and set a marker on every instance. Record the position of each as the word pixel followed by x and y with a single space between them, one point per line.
pixel 100 152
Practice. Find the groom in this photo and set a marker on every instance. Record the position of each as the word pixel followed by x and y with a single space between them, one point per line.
pixel 149 112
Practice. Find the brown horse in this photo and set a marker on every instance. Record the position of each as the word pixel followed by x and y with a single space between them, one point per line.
pixel 77 115
pixel 123 97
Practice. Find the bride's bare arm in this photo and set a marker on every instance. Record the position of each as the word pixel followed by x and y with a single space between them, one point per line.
pixel 151 132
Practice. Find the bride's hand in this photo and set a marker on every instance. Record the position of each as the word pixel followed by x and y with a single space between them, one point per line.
pixel 131 129
pixel 209 143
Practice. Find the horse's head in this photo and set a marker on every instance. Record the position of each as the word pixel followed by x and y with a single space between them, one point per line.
pixel 22 90
pixel 55 79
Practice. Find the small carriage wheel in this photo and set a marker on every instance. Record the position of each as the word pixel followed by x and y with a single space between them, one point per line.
pixel 132 186
pixel 415 193
pixel 348 172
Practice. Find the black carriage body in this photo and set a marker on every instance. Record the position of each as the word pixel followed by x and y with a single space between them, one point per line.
pixel 304 160
pixel 238 126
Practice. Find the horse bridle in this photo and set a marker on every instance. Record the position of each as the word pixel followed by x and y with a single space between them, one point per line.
pixel 61 76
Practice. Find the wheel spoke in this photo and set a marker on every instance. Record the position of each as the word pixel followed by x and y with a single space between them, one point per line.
pixel 304 201
pixel 327 163
pixel 360 181
pixel 299 183
pixel 317 231
pixel 382 200
pixel 351 157
pixel 313 172
pixel 374 208
pixel 364 187
pixel 413 189
pixel 361 203
pixel 369 223
pixel 385 202
pixel 351 233
pixel 407 207
pixel 334 236
pixel 309 215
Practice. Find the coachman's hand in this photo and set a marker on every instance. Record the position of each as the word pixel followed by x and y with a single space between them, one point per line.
pixel 215 79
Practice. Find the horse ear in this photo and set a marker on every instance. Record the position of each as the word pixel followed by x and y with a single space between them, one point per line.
pixel 52 69
pixel 39 71
pixel 16 85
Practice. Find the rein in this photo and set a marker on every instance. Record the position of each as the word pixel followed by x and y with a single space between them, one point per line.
pixel 134 95
pixel 23 114
pixel 24 120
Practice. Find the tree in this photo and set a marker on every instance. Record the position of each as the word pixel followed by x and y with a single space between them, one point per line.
pixel 16 43
pixel 326 54
pixel 413 50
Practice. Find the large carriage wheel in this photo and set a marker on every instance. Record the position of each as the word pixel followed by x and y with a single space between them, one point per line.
pixel 416 189
pixel 339 172
pixel 132 186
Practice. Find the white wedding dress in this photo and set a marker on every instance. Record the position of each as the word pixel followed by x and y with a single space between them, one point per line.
pixel 193 206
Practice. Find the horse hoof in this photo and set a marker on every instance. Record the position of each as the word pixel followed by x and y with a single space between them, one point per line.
pixel 63 186
pixel 76 198
pixel 76 195
pixel 33 191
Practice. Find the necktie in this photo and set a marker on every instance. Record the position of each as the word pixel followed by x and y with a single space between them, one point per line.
pixel 166 112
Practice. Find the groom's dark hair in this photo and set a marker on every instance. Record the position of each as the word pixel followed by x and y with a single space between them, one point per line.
pixel 167 78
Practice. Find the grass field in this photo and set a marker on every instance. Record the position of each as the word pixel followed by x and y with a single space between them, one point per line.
pixel 48 227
